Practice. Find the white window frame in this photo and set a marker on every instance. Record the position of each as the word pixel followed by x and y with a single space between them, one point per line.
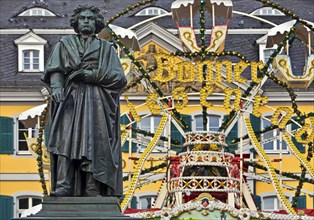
pixel 31 61
pixel 275 149
pixel 262 48
pixel 265 58
pixel 267 11
pixel 31 42
pixel 145 195
pixel 21 195
pixel 155 11
pixel 212 113
pixel 276 201
pixel 28 131
pixel 141 148
pixel 37 12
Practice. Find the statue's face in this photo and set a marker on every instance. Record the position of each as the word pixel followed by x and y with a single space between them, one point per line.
pixel 87 23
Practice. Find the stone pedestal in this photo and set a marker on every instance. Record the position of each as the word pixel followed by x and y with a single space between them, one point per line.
pixel 79 208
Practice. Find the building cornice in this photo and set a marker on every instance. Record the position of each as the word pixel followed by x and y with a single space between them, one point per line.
pixel 171 30
pixel 21 177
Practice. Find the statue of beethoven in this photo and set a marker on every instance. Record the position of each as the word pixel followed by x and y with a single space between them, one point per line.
pixel 85 77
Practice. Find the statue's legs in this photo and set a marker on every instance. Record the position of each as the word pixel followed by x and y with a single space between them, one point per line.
pixel 96 188
pixel 65 177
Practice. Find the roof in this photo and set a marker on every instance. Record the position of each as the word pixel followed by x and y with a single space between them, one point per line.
pixel 63 9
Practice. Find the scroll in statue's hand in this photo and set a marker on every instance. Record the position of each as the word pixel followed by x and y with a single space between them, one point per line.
pixel 84 75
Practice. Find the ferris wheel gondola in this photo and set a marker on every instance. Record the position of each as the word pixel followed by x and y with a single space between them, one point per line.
pixel 282 61
pixel 188 9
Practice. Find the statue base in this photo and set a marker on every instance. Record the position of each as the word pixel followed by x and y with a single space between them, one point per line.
pixel 79 208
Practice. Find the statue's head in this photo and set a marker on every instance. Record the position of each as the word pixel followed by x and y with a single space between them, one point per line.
pixel 87 20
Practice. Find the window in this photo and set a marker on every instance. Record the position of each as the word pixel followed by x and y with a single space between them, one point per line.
pixel 24 203
pixel 151 11
pixel 267 54
pixel 271 203
pixel 267 11
pixel 149 124
pixel 213 123
pixel 37 12
pixel 30 60
pixel 146 202
pixel 26 128
pixel 271 138
pixel 30 53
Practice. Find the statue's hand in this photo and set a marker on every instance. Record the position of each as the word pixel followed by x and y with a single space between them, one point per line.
pixel 57 94
pixel 85 75
pixel 89 76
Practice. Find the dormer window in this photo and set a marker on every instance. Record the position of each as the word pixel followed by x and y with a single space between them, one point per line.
pixel 151 11
pixel 37 12
pixel 30 53
pixel 267 11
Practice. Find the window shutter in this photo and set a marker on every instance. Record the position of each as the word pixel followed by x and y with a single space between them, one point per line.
pixel 301 202
pixel 6 135
pixel 134 202
pixel 47 132
pixel 300 146
pixel 124 120
pixel 6 207
pixel 256 124
pixel 258 201
pixel 232 134
pixel 176 135
pixel 121 198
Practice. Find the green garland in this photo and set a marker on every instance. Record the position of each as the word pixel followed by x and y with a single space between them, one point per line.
pixel 176 114
pixel 286 174
pixel 39 150
pixel 148 170
pixel 272 127
pixel 150 134
pixel 203 54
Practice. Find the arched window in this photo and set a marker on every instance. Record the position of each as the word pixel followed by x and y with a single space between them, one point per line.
pixel 267 11
pixel 151 11
pixel 37 12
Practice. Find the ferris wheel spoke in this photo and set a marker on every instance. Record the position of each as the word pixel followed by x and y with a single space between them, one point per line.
pixel 141 161
pixel 271 171
pixel 297 153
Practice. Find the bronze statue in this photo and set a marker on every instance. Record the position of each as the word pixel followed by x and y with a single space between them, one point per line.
pixel 85 77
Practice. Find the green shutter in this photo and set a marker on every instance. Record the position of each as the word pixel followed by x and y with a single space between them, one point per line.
pixel 258 201
pixel 6 135
pixel 47 132
pixel 134 202
pixel 124 120
pixel 300 146
pixel 121 199
pixel 232 134
pixel 176 135
pixel 6 207
pixel 301 202
pixel 256 124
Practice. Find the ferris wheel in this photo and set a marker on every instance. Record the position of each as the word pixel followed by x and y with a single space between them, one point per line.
pixel 165 105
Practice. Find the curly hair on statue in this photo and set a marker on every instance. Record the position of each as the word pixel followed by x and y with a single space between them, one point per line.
pixel 100 23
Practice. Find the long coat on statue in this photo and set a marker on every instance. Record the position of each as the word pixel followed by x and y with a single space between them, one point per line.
pixel 85 127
